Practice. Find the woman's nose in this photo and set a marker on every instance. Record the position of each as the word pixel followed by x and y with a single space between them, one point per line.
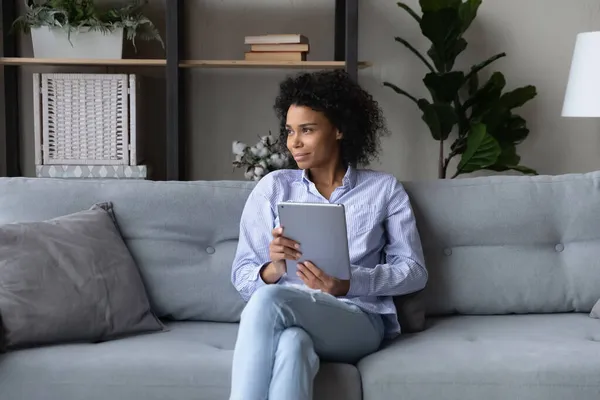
pixel 296 142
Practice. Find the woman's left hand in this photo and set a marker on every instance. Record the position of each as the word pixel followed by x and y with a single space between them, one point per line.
pixel 315 278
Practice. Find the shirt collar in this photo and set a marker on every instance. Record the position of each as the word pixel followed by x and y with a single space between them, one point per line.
pixel 349 178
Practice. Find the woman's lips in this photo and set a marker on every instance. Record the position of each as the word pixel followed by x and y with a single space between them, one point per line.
pixel 301 156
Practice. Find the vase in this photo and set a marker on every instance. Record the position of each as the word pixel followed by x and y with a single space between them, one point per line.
pixel 81 43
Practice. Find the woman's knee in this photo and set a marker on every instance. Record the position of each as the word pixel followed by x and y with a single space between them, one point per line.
pixel 296 343
pixel 266 298
pixel 295 340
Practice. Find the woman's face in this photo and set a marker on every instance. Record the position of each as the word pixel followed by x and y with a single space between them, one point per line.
pixel 312 140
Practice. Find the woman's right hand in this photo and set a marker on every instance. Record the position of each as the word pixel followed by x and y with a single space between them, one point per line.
pixel 280 249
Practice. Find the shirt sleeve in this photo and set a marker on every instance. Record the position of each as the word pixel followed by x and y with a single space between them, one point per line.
pixel 252 252
pixel 404 269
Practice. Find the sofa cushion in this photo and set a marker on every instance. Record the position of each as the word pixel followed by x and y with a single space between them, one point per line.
pixel 526 357
pixel 510 244
pixel 70 279
pixel 190 361
pixel 182 235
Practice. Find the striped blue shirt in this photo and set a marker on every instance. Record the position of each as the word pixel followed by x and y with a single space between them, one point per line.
pixel 385 249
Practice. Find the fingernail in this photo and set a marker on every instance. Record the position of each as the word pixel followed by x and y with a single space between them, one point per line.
pixel 297 246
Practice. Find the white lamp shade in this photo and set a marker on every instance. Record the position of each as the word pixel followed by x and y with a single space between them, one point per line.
pixel 582 98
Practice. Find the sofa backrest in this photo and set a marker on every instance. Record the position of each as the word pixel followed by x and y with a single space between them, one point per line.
pixel 182 235
pixel 494 245
pixel 510 244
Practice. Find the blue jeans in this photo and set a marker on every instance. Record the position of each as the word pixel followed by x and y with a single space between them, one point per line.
pixel 283 334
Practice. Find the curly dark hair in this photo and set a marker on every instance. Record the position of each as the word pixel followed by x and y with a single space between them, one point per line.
pixel 350 108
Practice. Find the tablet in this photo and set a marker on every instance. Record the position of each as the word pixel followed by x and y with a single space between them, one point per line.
pixel 320 229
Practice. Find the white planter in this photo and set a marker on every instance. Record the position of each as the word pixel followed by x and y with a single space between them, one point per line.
pixel 54 43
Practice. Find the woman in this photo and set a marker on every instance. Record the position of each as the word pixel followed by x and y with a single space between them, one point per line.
pixel 330 125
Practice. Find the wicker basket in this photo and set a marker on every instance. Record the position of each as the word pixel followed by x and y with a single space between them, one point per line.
pixel 85 119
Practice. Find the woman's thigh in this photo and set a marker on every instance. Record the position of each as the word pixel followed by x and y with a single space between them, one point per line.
pixel 340 332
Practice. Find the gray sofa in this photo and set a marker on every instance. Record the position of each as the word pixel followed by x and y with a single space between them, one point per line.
pixel 514 267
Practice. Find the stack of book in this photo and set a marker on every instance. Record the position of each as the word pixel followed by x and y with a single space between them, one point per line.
pixel 282 47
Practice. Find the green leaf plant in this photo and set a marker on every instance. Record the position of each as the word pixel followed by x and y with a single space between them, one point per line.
pixel 487 130
pixel 73 15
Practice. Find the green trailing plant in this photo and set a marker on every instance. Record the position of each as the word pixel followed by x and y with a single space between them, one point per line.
pixel 481 115
pixel 74 15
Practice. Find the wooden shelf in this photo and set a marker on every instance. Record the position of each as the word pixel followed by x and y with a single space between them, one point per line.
pixel 73 61
pixel 183 64
pixel 265 64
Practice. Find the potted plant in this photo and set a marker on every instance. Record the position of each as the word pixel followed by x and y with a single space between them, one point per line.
pixel 81 29
pixel 481 116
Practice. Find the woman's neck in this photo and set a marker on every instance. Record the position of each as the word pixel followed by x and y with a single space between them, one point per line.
pixel 328 176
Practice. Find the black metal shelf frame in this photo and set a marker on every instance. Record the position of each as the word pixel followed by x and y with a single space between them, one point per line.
pixel 11 91
pixel 345 49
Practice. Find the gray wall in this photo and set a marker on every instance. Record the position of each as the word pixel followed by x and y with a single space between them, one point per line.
pixel 236 104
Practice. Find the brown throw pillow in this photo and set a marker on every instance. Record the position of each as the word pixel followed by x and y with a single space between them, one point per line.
pixel 70 279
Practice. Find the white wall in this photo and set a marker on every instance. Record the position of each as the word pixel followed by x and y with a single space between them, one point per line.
pixel 225 105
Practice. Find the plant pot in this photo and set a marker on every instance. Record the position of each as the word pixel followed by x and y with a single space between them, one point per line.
pixel 83 43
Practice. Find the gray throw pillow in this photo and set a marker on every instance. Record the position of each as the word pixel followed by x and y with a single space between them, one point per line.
pixel 596 310
pixel 2 336
pixel 411 310
pixel 70 279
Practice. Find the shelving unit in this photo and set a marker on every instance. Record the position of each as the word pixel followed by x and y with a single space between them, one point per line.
pixel 345 57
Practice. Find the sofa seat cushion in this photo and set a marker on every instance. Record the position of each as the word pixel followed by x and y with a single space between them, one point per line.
pixel 190 361
pixel 526 357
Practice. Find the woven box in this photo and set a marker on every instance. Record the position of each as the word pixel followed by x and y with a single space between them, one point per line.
pixel 85 119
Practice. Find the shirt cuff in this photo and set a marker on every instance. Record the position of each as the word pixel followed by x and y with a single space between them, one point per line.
pixel 360 281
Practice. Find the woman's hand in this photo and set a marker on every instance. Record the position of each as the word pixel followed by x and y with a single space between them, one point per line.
pixel 315 278
pixel 280 249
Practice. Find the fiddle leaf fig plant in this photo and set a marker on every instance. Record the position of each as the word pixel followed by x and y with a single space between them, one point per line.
pixel 482 115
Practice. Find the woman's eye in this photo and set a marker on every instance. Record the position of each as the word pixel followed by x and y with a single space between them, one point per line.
pixel 306 130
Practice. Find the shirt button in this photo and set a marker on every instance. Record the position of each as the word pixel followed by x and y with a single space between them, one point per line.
pixel 210 250
pixel 448 252
pixel 559 247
